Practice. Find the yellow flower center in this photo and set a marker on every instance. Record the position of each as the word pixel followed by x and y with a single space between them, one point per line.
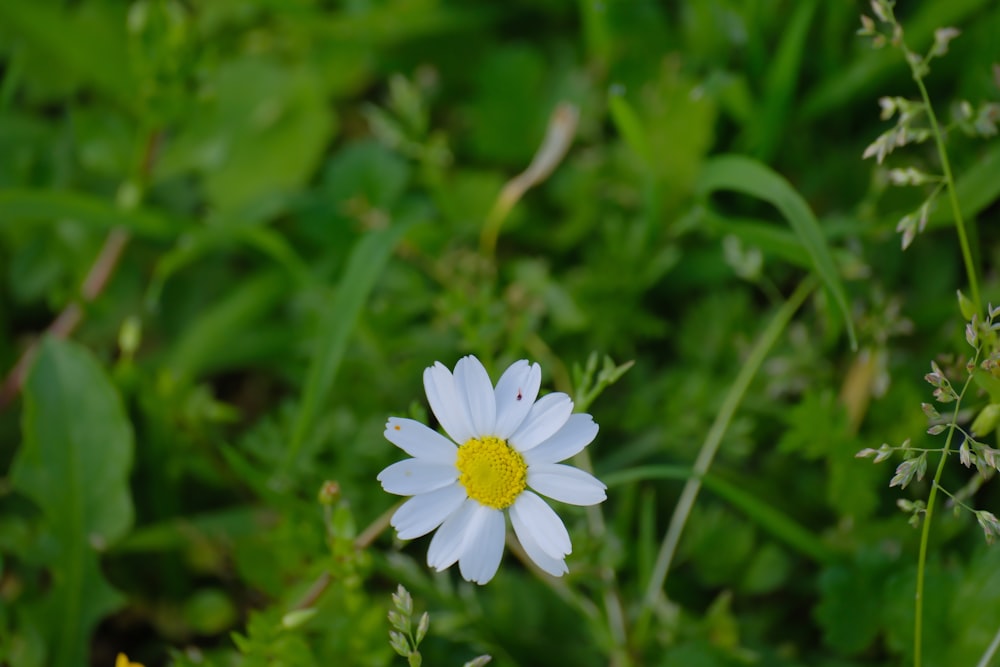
pixel 492 471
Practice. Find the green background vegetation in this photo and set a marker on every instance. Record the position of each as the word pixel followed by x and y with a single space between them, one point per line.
pixel 289 198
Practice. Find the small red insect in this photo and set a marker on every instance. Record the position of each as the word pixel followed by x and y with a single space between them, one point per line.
pixel 519 396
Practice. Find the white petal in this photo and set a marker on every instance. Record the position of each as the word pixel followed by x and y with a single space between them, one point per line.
pixel 421 514
pixel 542 523
pixel 473 382
pixel 420 441
pixel 448 405
pixel 449 541
pixel 578 432
pixel 485 546
pixel 554 566
pixel 411 477
pixel 566 484
pixel 544 419
pixel 515 394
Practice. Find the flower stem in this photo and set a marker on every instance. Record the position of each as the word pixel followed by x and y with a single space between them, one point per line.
pixel 963 236
pixel 918 609
pixel 613 608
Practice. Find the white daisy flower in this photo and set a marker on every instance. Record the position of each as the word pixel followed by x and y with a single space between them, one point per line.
pixel 508 447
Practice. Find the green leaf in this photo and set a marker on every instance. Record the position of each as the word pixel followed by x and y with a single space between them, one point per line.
pixel 773 241
pixel 23 205
pixel 511 105
pixel 897 611
pixel 198 244
pixel 220 335
pixel 368 170
pixel 86 45
pixel 769 125
pixel 390 23
pixel 979 590
pixel 746 175
pixel 228 524
pixel 74 465
pixel 768 517
pixel 368 257
pixel 671 127
pixel 717 545
pixel 851 601
pixel 629 126
pixel 262 132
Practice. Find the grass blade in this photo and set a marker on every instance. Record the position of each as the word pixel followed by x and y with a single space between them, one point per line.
pixel 220 336
pixel 769 125
pixel 368 257
pixel 26 205
pixel 781 526
pixel 864 75
pixel 746 175
pixel 706 454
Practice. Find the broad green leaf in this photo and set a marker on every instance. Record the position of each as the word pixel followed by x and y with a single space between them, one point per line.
pixel 74 465
pixel 261 132
pixel 746 175
pixel 365 264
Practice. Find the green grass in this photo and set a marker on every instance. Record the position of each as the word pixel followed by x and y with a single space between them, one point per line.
pixel 234 234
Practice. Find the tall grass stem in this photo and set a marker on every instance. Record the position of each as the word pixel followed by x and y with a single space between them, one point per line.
pixel 713 439
pixel 918 608
pixel 963 236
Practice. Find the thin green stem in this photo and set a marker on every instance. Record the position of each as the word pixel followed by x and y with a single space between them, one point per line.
pixel 713 439
pixel 990 651
pixel 613 607
pixel 955 500
pixel 918 610
pixel 963 236
pixel 918 66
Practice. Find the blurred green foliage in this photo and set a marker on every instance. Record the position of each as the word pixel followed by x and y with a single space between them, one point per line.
pixel 257 222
